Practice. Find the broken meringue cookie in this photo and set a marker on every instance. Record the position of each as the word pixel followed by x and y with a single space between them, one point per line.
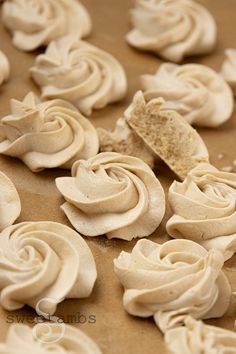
pixel 113 194
pixel 125 141
pixel 47 134
pixel 35 24
pixel 81 73
pixel 4 68
pixel 43 263
pixel 197 338
pixel 172 281
pixel 204 209
pixel 228 70
pixel 48 338
pixel 195 91
pixel 173 29
pixel 10 204
pixel 166 133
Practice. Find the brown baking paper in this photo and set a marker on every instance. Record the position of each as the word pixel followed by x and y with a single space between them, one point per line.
pixel 102 315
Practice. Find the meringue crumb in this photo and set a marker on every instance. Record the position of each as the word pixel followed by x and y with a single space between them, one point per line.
pixel 227 169
pixel 220 156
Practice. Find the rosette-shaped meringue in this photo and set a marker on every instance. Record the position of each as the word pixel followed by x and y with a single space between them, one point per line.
pixel 172 29
pixel 47 135
pixel 10 205
pixel 204 209
pixel 36 23
pixel 81 73
pixel 228 70
pixel 42 263
pixel 172 281
pixel 47 339
pixel 198 338
pixel 195 91
pixel 4 68
pixel 113 194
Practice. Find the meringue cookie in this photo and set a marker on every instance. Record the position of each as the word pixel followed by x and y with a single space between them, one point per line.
pixel 47 135
pixel 172 281
pixel 167 134
pixel 198 338
pixel 228 70
pixel 46 339
pixel 81 73
pixel 36 23
pixel 10 204
pixel 125 141
pixel 113 194
pixel 4 68
pixel 43 263
pixel 172 29
pixel 195 91
pixel 204 209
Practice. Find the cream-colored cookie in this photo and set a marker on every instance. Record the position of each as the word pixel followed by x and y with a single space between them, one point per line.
pixel 10 204
pixel 47 134
pixel 228 70
pixel 172 281
pixel 204 209
pixel 172 29
pixel 43 263
pixel 113 194
pixel 36 23
pixel 47 338
pixel 81 73
pixel 4 68
pixel 167 134
pixel 197 338
pixel 125 141
pixel 195 91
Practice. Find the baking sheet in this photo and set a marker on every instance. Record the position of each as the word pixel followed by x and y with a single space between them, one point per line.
pixel 111 327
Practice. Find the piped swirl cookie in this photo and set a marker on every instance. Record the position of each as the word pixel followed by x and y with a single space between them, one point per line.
pixel 173 29
pixel 81 73
pixel 10 204
pixel 48 338
pixel 173 280
pixel 113 194
pixel 35 23
pixel 43 263
pixel 195 91
pixel 47 134
pixel 197 338
pixel 204 208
